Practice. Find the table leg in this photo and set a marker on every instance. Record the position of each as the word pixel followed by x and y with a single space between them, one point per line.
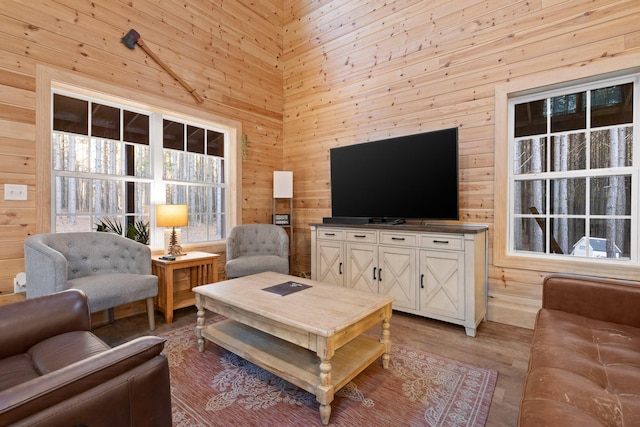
pixel 200 321
pixel 168 312
pixel 386 339
pixel 325 391
pixel 214 270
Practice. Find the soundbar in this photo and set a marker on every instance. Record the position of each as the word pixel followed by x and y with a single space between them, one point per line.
pixel 347 220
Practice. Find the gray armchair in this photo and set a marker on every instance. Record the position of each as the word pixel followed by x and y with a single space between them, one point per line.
pixel 254 248
pixel 110 269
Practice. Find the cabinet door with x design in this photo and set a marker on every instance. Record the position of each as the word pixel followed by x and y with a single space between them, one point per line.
pixel 442 290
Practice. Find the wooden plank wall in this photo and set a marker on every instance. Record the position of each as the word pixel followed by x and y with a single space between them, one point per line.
pixel 230 52
pixel 304 76
pixel 359 71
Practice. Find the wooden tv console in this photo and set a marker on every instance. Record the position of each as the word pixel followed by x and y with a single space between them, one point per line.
pixel 434 270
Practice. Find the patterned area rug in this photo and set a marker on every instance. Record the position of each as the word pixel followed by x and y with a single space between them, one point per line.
pixel 419 389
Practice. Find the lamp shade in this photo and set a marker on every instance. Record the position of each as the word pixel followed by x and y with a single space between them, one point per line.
pixel 282 184
pixel 172 215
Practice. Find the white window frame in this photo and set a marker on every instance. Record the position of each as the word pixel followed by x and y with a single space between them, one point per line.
pixel 48 79
pixel 553 175
pixel 545 83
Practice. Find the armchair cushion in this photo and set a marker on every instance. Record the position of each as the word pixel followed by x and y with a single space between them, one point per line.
pixel 247 265
pixel 109 290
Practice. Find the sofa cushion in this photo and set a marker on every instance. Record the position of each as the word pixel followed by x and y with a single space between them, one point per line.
pixel 16 370
pixel 109 290
pixel 63 350
pixel 49 355
pixel 582 372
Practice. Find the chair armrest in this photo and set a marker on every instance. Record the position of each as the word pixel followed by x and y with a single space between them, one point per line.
pixel 231 247
pixel 40 393
pixel 141 255
pixel 26 323
pixel 283 244
pixel 46 268
pixel 609 300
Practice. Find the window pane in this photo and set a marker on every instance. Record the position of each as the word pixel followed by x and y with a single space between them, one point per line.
pixel 611 195
pixel 107 197
pixel 70 115
pixel 610 238
pixel 195 139
pixel 196 171
pixel 611 148
pixel 105 121
pixel 529 195
pixel 173 135
pixel 568 152
pixel 566 231
pixel 612 105
pixel 176 194
pixel 568 112
pixel 530 156
pixel 528 235
pixel 217 230
pixel 217 200
pixel 215 170
pixel 136 127
pixel 138 228
pixel 142 198
pixel 198 199
pixel 70 153
pixel 137 197
pixel 173 165
pixel 215 143
pixel 530 118
pixel 72 196
pixel 568 196
pixel 141 160
pixel 106 157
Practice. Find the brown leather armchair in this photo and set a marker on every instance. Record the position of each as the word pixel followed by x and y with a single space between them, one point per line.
pixel 55 372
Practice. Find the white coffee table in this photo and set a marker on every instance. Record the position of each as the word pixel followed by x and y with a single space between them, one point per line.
pixel 313 338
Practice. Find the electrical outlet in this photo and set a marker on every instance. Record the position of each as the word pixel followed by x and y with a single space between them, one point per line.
pixel 15 192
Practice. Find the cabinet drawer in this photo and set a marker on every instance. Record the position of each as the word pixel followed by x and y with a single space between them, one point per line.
pixel 361 236
pixel 398 239
pixel 328 234
pixel 441 241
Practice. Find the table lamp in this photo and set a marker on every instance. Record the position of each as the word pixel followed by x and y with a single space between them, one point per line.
pixel 172 216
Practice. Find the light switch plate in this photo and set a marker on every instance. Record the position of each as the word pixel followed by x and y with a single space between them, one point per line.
pixel 15 192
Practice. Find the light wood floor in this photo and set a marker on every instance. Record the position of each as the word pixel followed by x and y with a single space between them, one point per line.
pixel 497 346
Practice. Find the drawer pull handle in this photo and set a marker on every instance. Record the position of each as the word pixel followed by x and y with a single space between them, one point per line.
pixel 398 238
pixel 329 234
pixel 359 236
pixel 442 242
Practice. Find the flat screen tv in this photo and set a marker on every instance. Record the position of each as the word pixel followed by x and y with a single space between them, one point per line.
pixel 408 177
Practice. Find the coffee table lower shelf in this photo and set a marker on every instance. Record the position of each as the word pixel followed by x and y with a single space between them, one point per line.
pixel 291 362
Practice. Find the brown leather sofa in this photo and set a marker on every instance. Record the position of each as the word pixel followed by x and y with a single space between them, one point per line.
pixel 584 368
pixel 55 372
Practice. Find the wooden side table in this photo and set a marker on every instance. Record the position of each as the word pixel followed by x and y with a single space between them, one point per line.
pixel 203 269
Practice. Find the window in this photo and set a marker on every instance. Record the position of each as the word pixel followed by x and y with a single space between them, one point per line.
pixel 572 175
pixel 111 162
pixel 193 174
